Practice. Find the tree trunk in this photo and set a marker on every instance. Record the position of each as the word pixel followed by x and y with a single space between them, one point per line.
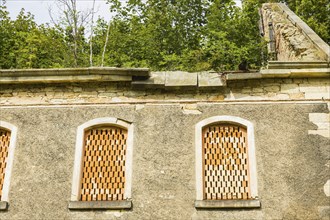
pixel 105 44
pixel 91 38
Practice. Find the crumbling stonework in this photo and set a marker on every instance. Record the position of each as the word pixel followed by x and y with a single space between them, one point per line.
pixel 292 43
pixel 120 92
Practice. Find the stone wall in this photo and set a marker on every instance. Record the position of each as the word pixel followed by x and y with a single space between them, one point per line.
pixel 121 92
pixel 294 40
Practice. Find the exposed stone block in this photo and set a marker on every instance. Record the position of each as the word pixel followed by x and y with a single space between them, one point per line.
pixel 181 79
pixel 319 117
pixel 216 97
pixel 256 90
pixel 246 90
pixel 58 101
pixel 312 88
pixel 289 88
pixel 139 107
pixel 322 120
pixel 327 188
pixel 318 95
pixel 207 79
pixel 272 88
pixel 323 125
pixel 282 96
pixel 77 89
pixel 190 109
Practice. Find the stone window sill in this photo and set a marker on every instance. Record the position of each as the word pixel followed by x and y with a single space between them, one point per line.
pixel 3 205
pixel 227 204
pixel 87 205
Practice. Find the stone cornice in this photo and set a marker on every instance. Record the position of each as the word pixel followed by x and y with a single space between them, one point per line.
pixel 141 78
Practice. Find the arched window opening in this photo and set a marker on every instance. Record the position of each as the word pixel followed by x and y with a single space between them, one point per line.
pixel 4 149
pixel 102 173
pixel 225 163
pixel 104 159
pixel 8 134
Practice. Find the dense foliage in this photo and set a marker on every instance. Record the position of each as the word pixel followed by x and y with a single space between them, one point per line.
pixel 192 35
pixel 24 44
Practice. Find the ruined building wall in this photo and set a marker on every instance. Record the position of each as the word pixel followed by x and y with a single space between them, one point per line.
pixel 287 104
pixel 290 116
pixel 293 40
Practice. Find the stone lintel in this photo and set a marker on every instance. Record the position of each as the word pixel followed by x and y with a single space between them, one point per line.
pixel 310 73
pixel 144 84
pixel 275 73
pixel 207 79
pixel 297 65
pixel 3 205
pixel 295 73
pixel 227 204
pixel 156 80
pixel 179 79
pixel 75 71
pixel 90 205
pixel 63 79
pixel 240 76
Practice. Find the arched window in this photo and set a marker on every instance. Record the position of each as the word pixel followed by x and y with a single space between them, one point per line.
pixel 225 163
pixel 103 165
pixel 8 133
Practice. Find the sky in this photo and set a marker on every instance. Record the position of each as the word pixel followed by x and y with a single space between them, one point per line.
pixel 39 8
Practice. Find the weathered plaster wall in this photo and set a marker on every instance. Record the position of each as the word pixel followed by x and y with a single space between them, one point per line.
pixel 290 116
pixel 290 161
pixel 118 92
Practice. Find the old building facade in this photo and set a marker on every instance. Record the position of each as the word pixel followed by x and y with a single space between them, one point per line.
pixel 111 143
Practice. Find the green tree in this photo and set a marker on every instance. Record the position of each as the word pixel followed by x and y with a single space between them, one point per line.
pixel 188 35
pixel 24 44
pixel 7 58
pixel 73 24
pixel 316 13
pixel 155 33
pixel 225 45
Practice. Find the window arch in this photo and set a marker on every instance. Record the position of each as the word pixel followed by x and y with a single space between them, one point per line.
pixel 103 164
pixel 8 134
pixel 225 163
